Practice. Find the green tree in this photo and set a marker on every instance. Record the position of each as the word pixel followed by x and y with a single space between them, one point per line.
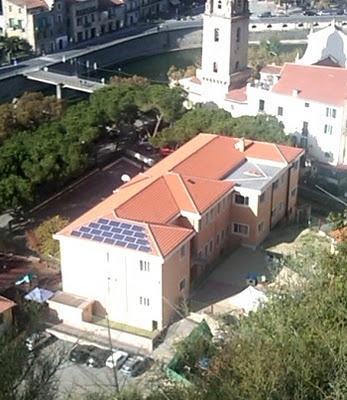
pixel 203 119
pixel 166 103
pixel 14 46
pixel 41 238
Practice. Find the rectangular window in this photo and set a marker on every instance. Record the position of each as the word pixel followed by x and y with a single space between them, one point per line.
pixel 239 199
pixel 261 227
pixel 261 105
pixel 293 192
pixel 19 10
pixel 20 24
pixel 182 284
pixel 10 8
pixel 275 185
pixel 12 23
pixel 305 126
pixel 262 197
pixel 307 105
pixel 144 301
pixel 330 112
pixel 295 165
pixel 328 129
pixel 280 111
pixel 216 35
pixel 144 265
pixel 183 251
pixel 215 67
pixel 240 229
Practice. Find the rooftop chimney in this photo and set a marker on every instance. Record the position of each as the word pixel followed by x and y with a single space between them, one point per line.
pixel 296 92
pixel 240 145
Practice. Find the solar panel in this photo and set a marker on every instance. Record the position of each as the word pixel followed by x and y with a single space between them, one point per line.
pixel 130 236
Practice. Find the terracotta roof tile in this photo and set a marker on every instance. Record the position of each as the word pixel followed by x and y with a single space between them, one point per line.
pixel 212 161
pixel 5 304
pixel 155 203
pixel 239 95
pixel 169 237
pixel 317 83
pixel 206 192
pixel 178 189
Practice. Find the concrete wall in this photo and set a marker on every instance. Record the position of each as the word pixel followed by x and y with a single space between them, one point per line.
pixel 112 277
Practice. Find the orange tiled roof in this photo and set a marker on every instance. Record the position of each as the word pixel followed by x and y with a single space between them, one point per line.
pixel 168 237
pixel 239 94
pixel 155 203
pixel 318 83
pixel 206 192
pixel 187 180
pixel 213 160
pixel 5 304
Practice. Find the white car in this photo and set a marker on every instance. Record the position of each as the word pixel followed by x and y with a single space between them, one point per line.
pixel 117 359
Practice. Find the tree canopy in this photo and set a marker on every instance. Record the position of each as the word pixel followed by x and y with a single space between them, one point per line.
pixel 210 120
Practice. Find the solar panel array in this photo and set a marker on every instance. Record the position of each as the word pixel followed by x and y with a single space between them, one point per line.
pixel 126 235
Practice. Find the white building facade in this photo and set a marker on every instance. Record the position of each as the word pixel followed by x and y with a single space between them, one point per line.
pixel 308 97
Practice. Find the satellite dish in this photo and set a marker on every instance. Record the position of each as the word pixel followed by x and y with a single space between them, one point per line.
pixel 125 178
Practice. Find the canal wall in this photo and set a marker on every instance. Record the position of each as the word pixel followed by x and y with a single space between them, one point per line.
pixel 161 41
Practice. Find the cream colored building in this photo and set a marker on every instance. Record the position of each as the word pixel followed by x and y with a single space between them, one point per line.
pixel 41 23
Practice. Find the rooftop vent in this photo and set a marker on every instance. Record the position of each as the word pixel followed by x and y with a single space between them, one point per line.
pixel 296 92
pixel 240 145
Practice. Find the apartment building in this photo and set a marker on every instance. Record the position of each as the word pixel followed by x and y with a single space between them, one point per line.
pixel 52 25
pixel 42 23
pixel 89 19
pixel 135 256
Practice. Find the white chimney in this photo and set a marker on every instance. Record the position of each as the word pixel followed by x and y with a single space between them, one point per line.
pixel 240 145
pixel 296 92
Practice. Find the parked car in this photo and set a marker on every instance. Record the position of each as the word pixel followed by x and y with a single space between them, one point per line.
pixel 80 353
pixel 326 11
pixel 38 339
pixel 117 359
pixel 98 357
pixel 265 14
pixel 136 365
pixel 310 13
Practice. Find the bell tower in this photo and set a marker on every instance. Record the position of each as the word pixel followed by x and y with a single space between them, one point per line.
pixel 224 45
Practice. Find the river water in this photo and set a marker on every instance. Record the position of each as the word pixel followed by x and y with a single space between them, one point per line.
pixel 154 67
